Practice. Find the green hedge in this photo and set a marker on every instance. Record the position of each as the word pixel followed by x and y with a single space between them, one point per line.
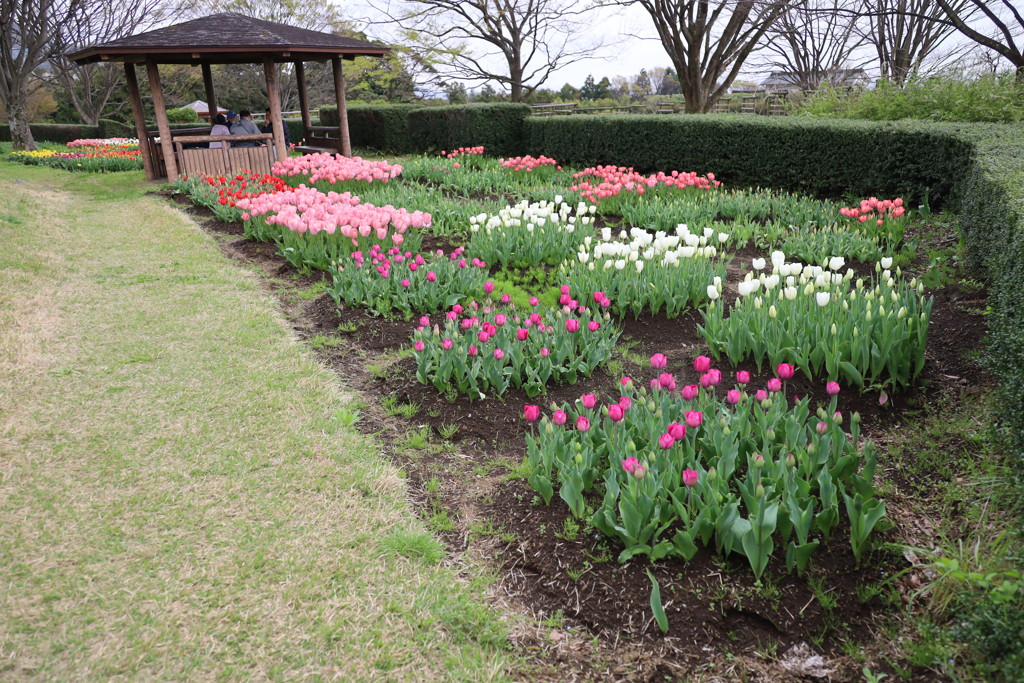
pixel 115 129
pixel 498 127
pixel 384 127
pixel 62 133
pixel 296 131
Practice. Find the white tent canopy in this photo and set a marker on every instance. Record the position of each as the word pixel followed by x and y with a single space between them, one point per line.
pixel 202 109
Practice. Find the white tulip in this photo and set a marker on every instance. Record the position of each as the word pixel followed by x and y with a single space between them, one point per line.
pixel 620 264
pixel 886 262
pixel 772 313
pixel 822 298
pixel 558 199
pixel 836 262
pixel 723 237
pixel 790 293
pixel 778 259
pixel 757 263
pixel 712 292
pixel 708 232
pixel 639 267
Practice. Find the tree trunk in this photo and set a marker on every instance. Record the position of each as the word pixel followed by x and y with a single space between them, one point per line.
pixel 17 118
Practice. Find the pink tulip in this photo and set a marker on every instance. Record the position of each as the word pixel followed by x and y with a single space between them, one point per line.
pixel 594 326
pixel 625 380
pixel 500 319
pixel 694 418
pixel 473 351
pixel 640 472
pixel 705 380
pixel 667 381
pixel 760 395
pixel 483 337
pixel 832 388
pixel 489 287
pixel 457 308
pixel 425 321
pixel 431 277
pixel 598 296
pixel 822 427
pixel 451 315
pixel 666 441
pixel 545 352
pixel 714 377
pixel 690 392
pixel 582 424
pixel 702 364
pixel 531 413
pixel 629 465
pixel 606 302
pixel 565 289
pixel 589 401
pixel 690 477
pixel 572 325
pixel 559 417
pixel 499 354
pixel 742 377
pixel 626 402
pixel 677 431
pixel 615 412
pixel 446 345
pixel 522 334
pixel 733 397
pixel 419 345
pixel 784 370
pixel 774 385
pixel 883 398
pixel 505 298
pixel 658 361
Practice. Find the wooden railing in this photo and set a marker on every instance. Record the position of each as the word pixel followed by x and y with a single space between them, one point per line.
pixel 226 159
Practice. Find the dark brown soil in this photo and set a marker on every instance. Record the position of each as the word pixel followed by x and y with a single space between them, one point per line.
pixel 718 617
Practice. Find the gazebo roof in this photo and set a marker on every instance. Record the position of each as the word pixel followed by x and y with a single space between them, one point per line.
pixel 228 38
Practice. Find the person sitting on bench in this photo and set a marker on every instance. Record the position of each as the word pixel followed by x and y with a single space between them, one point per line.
pixel 244 126
pixel 220 127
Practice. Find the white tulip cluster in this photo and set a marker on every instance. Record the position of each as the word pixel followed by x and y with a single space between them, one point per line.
pixel 530 233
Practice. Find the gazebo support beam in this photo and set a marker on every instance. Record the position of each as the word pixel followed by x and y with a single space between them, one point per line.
pixel 274 96
pixel 211 94
pixel 300 82
pixel 344 142
pixel 140 119
pixel 161 119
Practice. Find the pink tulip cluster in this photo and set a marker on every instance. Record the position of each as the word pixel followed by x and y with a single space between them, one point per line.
pixel 104 142
pixel 874 208
pixel 463 151
pixel 610 181
pixel 384 261
pixel 528 163
pixel 307 210
pixel 335 168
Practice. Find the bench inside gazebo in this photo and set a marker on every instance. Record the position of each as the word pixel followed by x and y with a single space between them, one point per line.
pixel 228 38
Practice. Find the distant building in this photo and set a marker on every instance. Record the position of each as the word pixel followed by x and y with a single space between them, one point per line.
pixel 796 80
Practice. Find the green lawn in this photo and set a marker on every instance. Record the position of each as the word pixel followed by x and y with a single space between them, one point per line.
pixel 179 496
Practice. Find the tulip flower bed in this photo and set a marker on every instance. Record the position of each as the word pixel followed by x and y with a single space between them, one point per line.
pixel 416 285
pixel 650 271
pixel 603 182
pixel 728 473
pixel 122 143
pixel 314 229
pixel 491 348
pixel 334 172
pixel 883 218
pixel 871 334
pixel 221 193
pixel 530 234
pixel 91 156
pixel 820 246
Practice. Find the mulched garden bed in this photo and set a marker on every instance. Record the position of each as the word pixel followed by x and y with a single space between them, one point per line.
pixel 719 619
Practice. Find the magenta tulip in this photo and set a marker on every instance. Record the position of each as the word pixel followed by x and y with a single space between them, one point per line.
pixel 534 301
pixel 582 424
pixel 473 351
pixel 690 478
pixel 626 402
pixel 629 465
pixel 594 325
pixel 760 395
pixel 572 325
pixel 822 427
pixel 702 364
pixel 714 377
pixel 666 441
pixel 499 354
pixel 598 296
pixel 625 380
pixel 658 361
pixel 832 388
pixel 774 385
pixel 531 413
pixel 500 319
pixel 784 370
pixel 677 431
pixel 742 377
pixel 545 352
pixel 446 345
pixel 694 418
pixel 431 277
pixel 559 417
pixel 690 392
pixel 615 412
pixel 733 397
pixel 425 321
pixel 589 401
pixel 522 334
pixel 489 287
pixel 419 346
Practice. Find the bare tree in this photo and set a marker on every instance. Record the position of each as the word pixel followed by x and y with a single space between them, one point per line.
pixel 29 30
pixel 1009 27
pixel 813 42
pixel 708 41
pixel 99 21
pixel 905 33
pixel 521 42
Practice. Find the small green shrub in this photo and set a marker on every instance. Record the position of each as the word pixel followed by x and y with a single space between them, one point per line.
pixel 183 115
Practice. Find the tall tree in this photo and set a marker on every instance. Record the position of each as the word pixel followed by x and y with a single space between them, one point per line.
pixel 641 86
pixel 89 87
pixel 904 33
pixel 1007 39
pixel 814 41
pixel 29 32
pixel 709 40
pixel 469 39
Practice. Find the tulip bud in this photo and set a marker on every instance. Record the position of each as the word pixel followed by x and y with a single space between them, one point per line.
pixel 898 271
pixel 834 330
pixel 790 460
pixel 772 313
pixel 657 413
pixel 770 434
pixel 855 419
pixel 578 458
pixel 860 283
pixel 759 491
pixel 878 267
pixel 811 448
pixel 578 446
pixel 821 413
pixel 640 472
pixel 548 428
pixel 758 460
pixel 726 430
pixel 630 446
pixel 722 422
pixel 650 405
pixel 712 475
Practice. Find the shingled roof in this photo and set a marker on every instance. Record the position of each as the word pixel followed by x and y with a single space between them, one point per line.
pixel 228 38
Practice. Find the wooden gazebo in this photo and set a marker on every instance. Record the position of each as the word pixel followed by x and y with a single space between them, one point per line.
pixel 228 38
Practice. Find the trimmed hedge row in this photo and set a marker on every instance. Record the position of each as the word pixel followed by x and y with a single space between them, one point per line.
pixel 404 128
pixel 977 169
pixel 56 132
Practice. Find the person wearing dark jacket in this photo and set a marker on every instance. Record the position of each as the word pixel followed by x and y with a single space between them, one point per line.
pixel 244 126
pixel 269 128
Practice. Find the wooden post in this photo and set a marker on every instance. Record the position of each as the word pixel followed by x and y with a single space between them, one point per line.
pixel 140 119
pixel 344 143
pixel 211 95
pixel 270 71
pixel 300 81
pixel 161 119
